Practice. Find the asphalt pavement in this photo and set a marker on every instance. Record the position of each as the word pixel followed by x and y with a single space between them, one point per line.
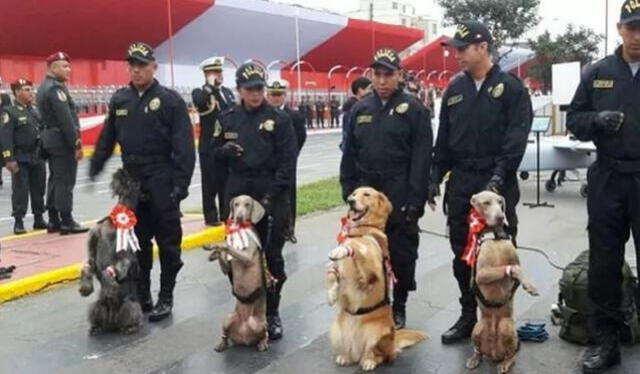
pixel 48 332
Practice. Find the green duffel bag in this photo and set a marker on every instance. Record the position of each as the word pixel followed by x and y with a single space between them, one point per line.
pixel 576 307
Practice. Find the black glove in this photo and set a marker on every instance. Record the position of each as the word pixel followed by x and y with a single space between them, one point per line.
pixel 411 214
pixel 267 204
pixel 494 184
pixel 609 121
pixel 432 192
pixel 94 170
pixel 179 194
pixel 231 150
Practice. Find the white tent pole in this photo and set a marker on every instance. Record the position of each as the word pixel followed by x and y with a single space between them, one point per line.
pixel 298 54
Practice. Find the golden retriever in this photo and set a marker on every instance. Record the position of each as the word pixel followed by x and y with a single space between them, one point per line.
pixel 364 331
pixel 497 275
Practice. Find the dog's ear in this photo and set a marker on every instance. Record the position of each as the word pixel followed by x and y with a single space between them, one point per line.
pixel 257 212
pixel 503 207
pixel 474 201
pixel 385 204
pixel 231 208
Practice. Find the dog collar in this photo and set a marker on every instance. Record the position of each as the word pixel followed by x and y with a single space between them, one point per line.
pixel 369 309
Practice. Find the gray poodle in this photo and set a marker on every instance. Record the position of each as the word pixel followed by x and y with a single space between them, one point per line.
pixel 117 307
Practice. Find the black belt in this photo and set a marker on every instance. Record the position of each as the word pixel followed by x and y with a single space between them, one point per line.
pixel 480 163
pixel 145 159
pixel 384 170
pixel 621 166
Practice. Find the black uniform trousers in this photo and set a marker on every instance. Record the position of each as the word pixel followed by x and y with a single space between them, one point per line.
pixel 29 181
pixel 158 217
pixel 272 238
pixel 320 119
pixel 403 237
pixel 613 205
pixel 213 178
pixel 335 119
pixel 63 168
pixel 462 185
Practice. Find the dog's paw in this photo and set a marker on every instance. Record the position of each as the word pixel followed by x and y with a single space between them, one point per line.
pixel 530 288
pixel 342 360
pixel 95 330
pixel 474 361
pixel 332 296
pixel 85 289
pixel 130 330
pixel 263 345
pixel 505 367
pixel 368 365
pixel 214 256
pixel 222 346
pixel 339 253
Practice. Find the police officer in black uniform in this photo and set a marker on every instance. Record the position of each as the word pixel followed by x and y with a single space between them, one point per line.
pixel 20 138
pixel 484 124
pixel 152 126
pixel 308 112
pixel 61 142
pixel 335 112
pixel 319 113
pixel 258 144
pixel 605 110
pixel 277 96
pixel 388 147
pixel 210 100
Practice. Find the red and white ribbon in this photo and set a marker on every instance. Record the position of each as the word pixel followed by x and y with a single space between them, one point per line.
pixel 124 220
pixel 477 224
pixel 239 234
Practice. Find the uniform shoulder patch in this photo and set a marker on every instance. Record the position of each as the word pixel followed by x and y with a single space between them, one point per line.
pixel 61 95
pixel 497 90
pixel 5 118
pixel 267 125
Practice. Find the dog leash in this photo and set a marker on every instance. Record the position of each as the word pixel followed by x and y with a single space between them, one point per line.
pixel 533 332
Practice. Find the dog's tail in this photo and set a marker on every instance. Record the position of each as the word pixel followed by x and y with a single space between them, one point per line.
pixel 407 338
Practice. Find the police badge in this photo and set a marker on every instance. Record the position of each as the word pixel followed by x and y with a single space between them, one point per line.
pixel 5 118
pixel 267 125
pixel 61 95
pixel 402 108
pixel 497 91
pixel 154 104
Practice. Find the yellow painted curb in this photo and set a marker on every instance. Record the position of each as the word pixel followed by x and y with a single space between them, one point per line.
pixel 21 287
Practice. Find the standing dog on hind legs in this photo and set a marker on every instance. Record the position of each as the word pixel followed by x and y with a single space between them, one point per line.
pixel 243 260
pixel 497 276
pixel 358 281
pixel 112 259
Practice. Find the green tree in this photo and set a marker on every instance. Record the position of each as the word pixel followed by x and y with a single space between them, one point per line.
pixel 507 20
pixel 576 44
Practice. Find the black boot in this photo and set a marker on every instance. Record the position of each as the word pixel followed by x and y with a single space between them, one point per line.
pixel 144 291
pixel 54 221
pixel 38 222
pixel 274 324
pixel 463 328
pixel 604 356
pixel 18 226
pixel 161 310
pixel 399 309
pixel 70 226
pixel 163 307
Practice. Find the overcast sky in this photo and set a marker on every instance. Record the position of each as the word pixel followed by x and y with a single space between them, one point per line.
pixel 556 14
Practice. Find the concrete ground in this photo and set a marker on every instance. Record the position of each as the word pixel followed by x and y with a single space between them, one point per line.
pixel 48 333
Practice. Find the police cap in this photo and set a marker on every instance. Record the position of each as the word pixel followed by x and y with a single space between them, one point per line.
pixel 630 11
pixel 212 64
pixel 19 83
pixel 58 56
pixel 387 58
pixel 467 33
pixel 250 75
pixel 277 86
pixel 141 52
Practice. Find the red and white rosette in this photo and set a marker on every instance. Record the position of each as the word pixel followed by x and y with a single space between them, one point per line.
pixel 124 220
pixel 477 224
pixel 238 234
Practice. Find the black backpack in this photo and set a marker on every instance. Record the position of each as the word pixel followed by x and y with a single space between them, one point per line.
pixel 576 307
